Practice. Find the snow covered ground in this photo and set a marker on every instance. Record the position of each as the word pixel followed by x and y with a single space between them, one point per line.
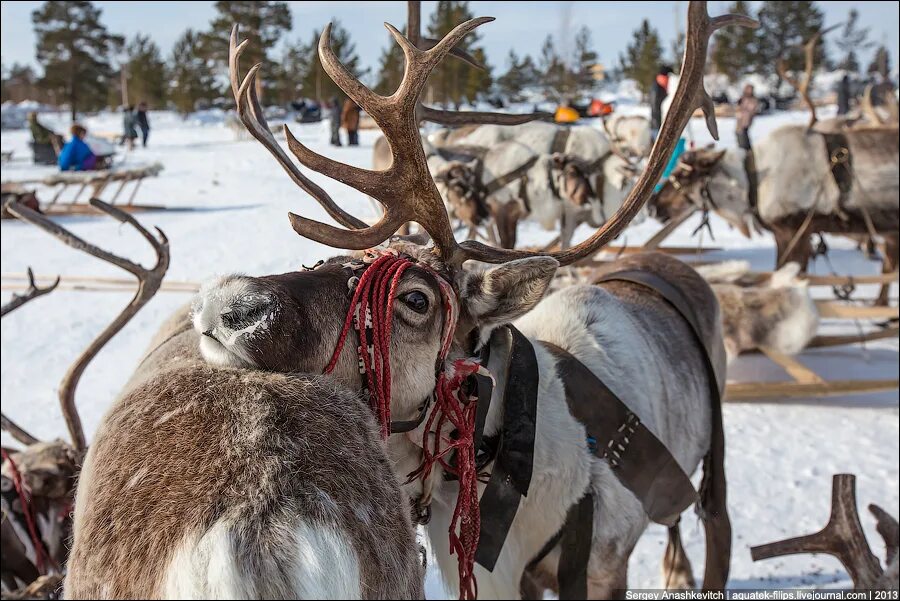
pixel 780 456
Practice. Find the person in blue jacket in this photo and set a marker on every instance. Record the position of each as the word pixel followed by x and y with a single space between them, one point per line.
pixel 76 155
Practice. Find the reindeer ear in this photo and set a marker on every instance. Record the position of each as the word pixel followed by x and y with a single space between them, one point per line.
pixel 503 293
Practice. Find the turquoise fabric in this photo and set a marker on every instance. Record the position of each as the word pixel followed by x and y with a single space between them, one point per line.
pixel 676 154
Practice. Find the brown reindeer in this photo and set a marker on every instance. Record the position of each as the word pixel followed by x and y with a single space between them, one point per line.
pixel 427 314
pixel 43 473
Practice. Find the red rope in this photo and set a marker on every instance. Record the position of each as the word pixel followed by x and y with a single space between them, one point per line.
pixel 28 510
pixel 373 299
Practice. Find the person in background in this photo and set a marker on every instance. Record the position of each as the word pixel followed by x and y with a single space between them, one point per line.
pixel 129 123
pixel 350 122
pixel 843 95
pixel 659 89
pixel 142 122
pixel 334 113
pixel 746 110
pixel 46 144
pixel 76 155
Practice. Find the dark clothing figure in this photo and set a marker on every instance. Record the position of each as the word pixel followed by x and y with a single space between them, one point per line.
pixel 334 113
pixel 658 92
pixel 129 127
pixel 843 96
pixel 143 123
pixel 350 121
pixel 746 110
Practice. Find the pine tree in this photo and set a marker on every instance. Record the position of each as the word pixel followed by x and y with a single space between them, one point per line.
pixel 20 83
pixel 146 72
pixel 478 81
pixel 643 57
pixel 260 22
pixel 852 40
pixel 191 76
pixel 881 62
pixel 390 71
pixel 735 48
pixel 454 80
pixel 74 49
pixel 585 58
pixel 287 78
pixel 553 71
pixel 783 29
pixel 316 83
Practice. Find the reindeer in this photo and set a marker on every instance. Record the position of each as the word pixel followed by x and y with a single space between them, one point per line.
pixel 537 170
pixel 146 507
pixel 798 181
pixel 43 473
pixel 418 315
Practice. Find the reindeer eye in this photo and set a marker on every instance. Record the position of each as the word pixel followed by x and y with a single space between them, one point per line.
pixel 416 301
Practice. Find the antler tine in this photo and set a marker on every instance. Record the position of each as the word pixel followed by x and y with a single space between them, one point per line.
pixel 149 281
pixel 16 431
pixel 689 95
pixel 456 118
pixel 809 50
pixel 889 529
pixel 251 115
pixel 842 537
pixel 868 109
pixel 32 293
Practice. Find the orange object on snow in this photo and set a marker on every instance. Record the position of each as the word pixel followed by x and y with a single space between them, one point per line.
pixel 599 108
pixel 565 114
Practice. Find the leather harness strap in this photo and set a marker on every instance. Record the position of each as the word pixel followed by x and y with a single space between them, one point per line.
pixel 516 383
pixel 636 456
pixel 837 149
pixel 517 173
pixel 560 140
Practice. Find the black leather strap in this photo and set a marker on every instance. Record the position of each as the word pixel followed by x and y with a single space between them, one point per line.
pixel 513 465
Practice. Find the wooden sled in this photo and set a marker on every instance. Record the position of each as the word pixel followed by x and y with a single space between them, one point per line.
pixel 806 383
pixel 755 278
pixel 94 182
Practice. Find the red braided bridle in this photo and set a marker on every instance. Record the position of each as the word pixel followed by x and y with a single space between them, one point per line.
pixel 371 314
pixel 40 554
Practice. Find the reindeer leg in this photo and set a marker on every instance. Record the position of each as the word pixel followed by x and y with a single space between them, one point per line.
pixel 789 249
pixel 677 571
pixel 890 261
pixel 609 577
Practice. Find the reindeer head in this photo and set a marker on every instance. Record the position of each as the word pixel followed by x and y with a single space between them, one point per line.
pixel 292 321
pixel 680 192
pixel 707 179
pixel 461 187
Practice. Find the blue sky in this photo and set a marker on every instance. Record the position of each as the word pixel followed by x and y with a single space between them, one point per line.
pixel 520 25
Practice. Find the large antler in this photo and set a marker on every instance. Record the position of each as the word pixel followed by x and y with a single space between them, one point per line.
pixel 32 293
pixel 809 49
pixel 842 537
pixel 149 281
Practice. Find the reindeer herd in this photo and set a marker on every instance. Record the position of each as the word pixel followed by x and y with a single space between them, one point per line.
pixel 534 435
